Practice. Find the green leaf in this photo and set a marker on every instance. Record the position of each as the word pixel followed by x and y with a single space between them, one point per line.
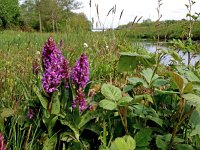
pixel 107 104
pixel 188 88
pixel 196 131
pixel 147 74
pixel 7 112
pixel 192 98
pixel 72 126
pixel 127 88
pixel 42 99
pixel 49 122
pixel 76 145
pixel 111 92
pixel 123 143
pixel 55 103
pixel 175 55
pixel 119 144
pixel 124 101
pixel 129 61
pixel 156 120
pixel 138 81
pixel 191 76
pixel 143 137
pixel 159 82
pixel 161 143
pixel 89 115
pixel 178 80
pixel 139 98
pixel 50 143
pixel 184 147
pixel 130 142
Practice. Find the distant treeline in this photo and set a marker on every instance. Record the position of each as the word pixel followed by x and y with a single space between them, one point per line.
pixel 166 29
pixel 42 15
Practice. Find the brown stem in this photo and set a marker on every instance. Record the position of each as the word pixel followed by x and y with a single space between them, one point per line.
pixel 123 113
pixel 177 126
pixel 29 131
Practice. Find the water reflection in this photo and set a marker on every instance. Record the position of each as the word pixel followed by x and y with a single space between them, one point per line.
pixel 151 47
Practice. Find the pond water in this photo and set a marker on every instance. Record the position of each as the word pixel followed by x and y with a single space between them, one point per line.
pixel 151 47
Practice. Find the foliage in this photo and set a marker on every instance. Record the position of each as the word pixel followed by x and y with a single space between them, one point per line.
pixel 9 13
pixel 133 100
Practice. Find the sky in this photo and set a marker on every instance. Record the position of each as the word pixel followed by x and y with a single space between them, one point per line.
pixel 170 10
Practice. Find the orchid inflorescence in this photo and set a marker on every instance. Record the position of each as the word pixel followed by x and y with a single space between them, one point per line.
pixel 56 69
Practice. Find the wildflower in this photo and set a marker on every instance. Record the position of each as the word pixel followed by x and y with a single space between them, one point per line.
pixel 2 142
pixel 56 67
pixel 85 45
pixel 107 47
pixel 80 100
pixel 30 113
pixel 80 73
pixel 38 52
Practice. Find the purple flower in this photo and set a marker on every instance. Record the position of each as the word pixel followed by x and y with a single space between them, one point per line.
pixel 80 73
pixel 2 142
pixel 30 113
pixel 80 100
pixel 56 67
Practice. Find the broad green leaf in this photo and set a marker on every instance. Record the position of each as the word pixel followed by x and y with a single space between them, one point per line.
pixel 175 55
pixel 123 143
pixel 50 123
pixel 147 74
pixel 129 61
pixel 192 98
pixel 130 142
pixel 55 103
pixel 111 92
pixel 119 144
pixel 142 148
pixel 156 120
pixel 191 76
pixel 6 112
pixel 184 147
pixel 124 101
pixel 161 143
pixel 145 97
pixel 159 82
pixel 195 117
pixel 127 88
pixel 75 145
pixel 89 115
pixel 196 131
pixel 42 99
pixel 188 88
pixel 107 104
pixel 143 137
pixel 72 126
pixel 178 80
pixel 50 143
pixel 137 81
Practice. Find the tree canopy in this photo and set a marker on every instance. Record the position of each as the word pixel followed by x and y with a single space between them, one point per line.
pixel 9 12
pixel 42 15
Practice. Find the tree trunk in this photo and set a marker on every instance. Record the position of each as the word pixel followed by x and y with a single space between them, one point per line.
pixel 53 23
pixel 40 22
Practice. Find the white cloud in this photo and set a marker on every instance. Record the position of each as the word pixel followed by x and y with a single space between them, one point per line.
pixel 171 9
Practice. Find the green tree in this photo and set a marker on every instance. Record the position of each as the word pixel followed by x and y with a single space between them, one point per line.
pixel 9 13
pixel 48 15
